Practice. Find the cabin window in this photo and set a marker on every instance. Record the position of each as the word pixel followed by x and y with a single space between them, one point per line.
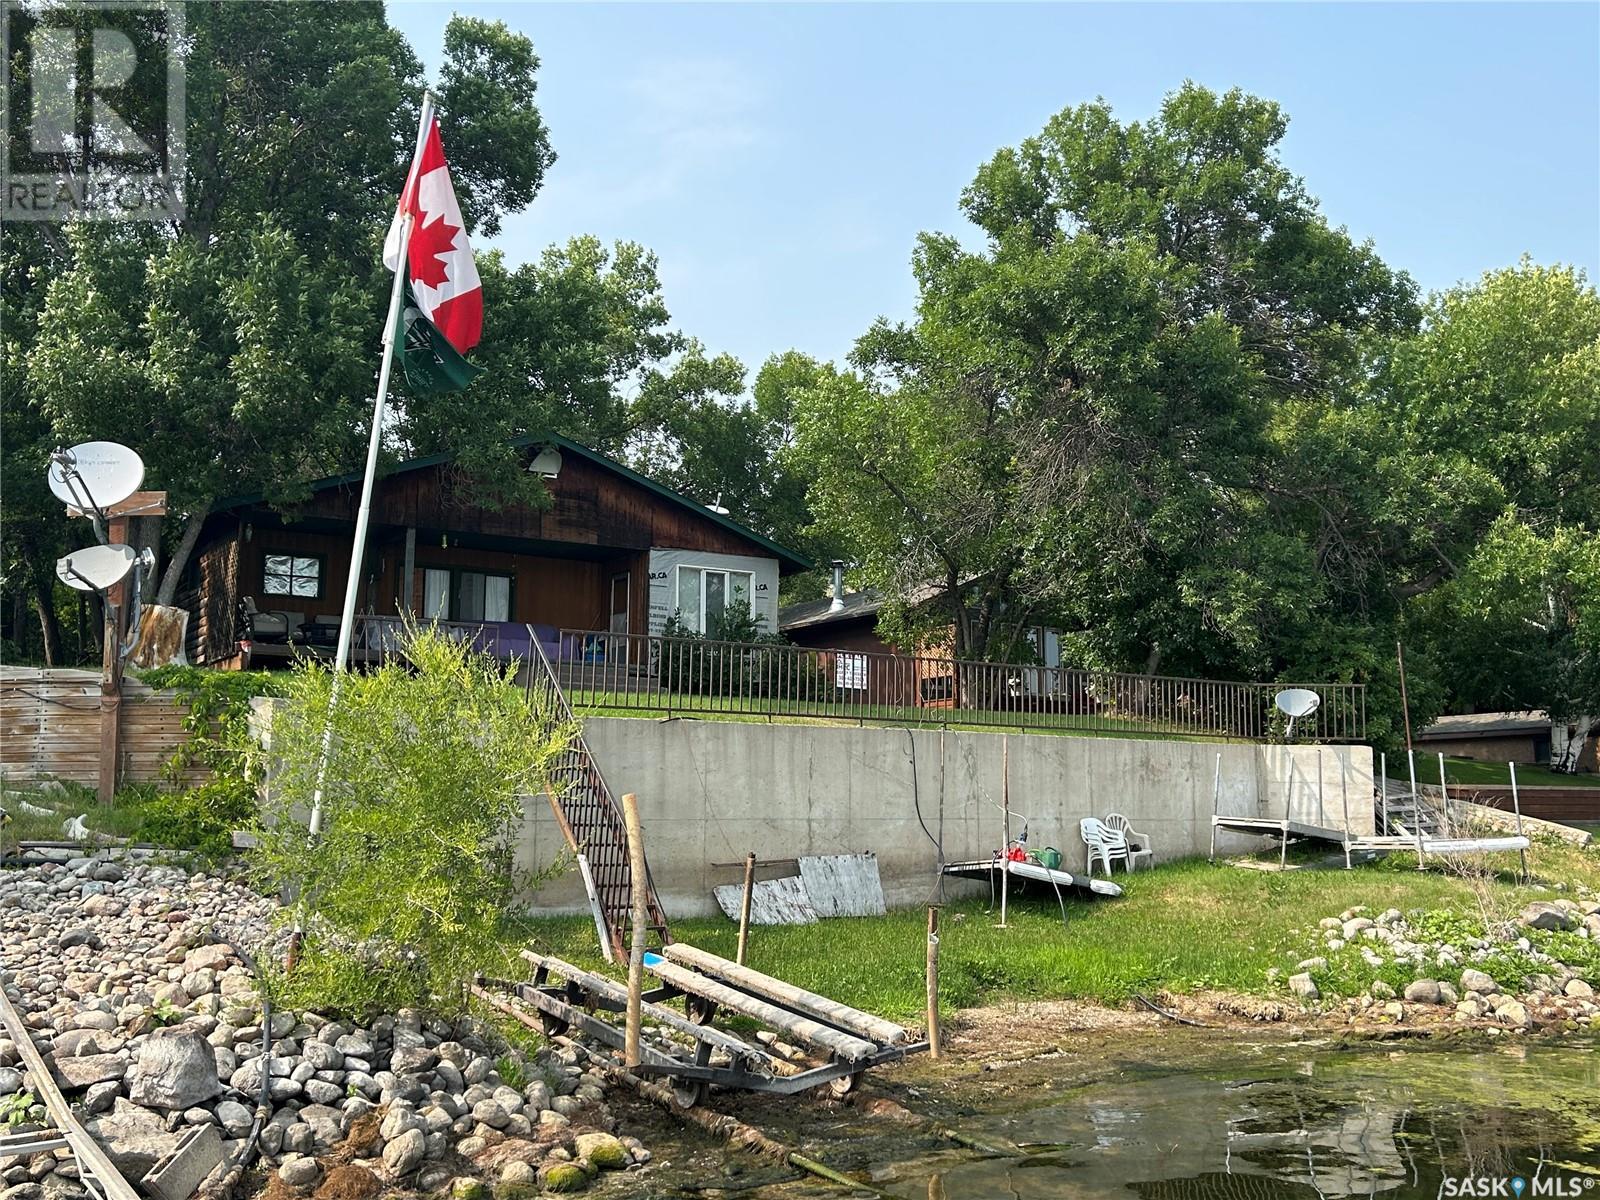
pixel 452 595
pixel 292 575
pixel 704 594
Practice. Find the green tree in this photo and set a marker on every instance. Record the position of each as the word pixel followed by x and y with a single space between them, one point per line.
pixel 1503 387
pixel 236 347
pixel 1076 427
pixel 423 796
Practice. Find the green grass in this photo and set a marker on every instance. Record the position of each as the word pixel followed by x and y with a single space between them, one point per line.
pixel 138 812
pixel 1182 927
pixel 587 703
pixel 1467 771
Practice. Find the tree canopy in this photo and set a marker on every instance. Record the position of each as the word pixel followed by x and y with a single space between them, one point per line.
pixel 1169 409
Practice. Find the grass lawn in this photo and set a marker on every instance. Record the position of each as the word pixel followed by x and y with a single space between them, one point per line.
pixel 715 708
pixel 1182 927
pixel 1471 771
pixel 127 816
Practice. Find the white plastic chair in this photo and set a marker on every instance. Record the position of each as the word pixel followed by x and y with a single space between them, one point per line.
pixel 1101 841
pixel 1138 844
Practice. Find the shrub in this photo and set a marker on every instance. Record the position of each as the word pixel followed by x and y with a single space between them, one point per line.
pixel 421 802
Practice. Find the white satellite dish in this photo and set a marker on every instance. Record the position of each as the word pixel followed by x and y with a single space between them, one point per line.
pixel 96 568
pixel 716 506
pixel 95 475
pixel 1295 703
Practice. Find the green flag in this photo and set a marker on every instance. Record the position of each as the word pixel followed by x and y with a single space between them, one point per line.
pixel 429 361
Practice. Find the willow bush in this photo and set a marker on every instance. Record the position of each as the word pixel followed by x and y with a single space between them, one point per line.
pixel 422 798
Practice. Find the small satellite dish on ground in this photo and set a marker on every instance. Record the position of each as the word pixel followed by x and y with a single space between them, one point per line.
pixel 96 568
pixel 93 476
pixel 1295 703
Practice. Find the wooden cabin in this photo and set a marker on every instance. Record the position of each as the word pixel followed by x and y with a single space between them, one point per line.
pixel 613 551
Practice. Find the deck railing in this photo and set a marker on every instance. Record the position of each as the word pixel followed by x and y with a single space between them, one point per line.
pixel 692 676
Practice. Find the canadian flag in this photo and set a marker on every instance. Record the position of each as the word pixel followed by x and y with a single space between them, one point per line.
pixel 444 279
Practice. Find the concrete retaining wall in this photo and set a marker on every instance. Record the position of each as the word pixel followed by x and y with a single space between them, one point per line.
pixel 712 790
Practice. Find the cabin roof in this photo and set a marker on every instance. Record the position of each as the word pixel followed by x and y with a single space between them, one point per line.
pixel 1489 724
pixel 792 558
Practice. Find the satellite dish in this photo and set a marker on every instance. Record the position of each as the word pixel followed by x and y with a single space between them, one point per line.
pixel 95 475
pixel 1295 703
pixel 716 506
pixel 96 568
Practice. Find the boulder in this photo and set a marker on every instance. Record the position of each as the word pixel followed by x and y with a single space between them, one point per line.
pixel 1304 986
pixel 85 1069
pixel 402 1155
pixel 1541 914
pixel 602 1150
pixel 1423 991
pixel 1577 989
pixel 300 1172
pixel 134 1138
pixel 563 1177
pixel 1473 980
pixel 176 1068
pixel 235 1118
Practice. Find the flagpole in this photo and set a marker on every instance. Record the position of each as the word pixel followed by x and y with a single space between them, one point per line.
pixel 352 588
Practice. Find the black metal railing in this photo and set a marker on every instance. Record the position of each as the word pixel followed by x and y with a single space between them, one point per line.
pixel 626 673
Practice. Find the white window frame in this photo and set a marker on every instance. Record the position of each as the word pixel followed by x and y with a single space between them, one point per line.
pixel 727 589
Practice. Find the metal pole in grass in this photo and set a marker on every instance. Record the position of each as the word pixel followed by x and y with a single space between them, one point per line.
pixel 744 906
pixel 1216 803
pixel 1416 805
pixel 1344 803
pixel 637 874
pixel 1516 807
pixel 933 981
pixel 1005 829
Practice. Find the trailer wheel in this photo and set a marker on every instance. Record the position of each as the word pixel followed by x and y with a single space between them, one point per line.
pixel 699 1010
pixel 552 1026
pixel 844 1085
pixel 686 1093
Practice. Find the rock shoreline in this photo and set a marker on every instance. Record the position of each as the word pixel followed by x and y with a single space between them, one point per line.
pixel 129 975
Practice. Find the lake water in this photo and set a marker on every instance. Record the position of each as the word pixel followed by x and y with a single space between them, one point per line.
pixel 1183 1117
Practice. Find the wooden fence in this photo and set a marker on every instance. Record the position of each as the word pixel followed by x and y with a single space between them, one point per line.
pixel 50 727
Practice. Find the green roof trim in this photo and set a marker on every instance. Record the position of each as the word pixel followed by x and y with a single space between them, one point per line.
pixel 797 560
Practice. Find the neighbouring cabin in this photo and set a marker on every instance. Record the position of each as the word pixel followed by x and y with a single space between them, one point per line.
pixel 613 551
pixel 862 661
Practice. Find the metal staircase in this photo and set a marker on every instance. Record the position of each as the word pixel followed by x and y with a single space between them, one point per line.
pixel 591 819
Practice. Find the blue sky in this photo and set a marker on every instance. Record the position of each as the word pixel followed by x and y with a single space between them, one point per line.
pixel 781 159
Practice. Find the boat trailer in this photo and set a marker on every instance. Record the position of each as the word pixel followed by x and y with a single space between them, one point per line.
pixel 685 1050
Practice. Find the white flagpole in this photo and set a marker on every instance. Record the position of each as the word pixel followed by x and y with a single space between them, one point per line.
pixel 352 588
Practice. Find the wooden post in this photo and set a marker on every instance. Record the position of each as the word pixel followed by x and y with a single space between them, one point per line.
pixel 115 608
pixel 1405 705
pixel 1005 830
pixel 1383 785
pixel 637 873
pixel 744 907
pixel 933 981
pixel 1516 807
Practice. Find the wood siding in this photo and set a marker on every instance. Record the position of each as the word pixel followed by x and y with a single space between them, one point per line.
pixel 50 727
pixel 590 506
pixel 213 601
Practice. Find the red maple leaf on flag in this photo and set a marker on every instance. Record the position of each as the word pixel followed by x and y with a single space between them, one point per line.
pixel 429 244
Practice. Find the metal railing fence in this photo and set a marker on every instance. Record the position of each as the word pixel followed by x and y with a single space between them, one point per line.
pixel 627 673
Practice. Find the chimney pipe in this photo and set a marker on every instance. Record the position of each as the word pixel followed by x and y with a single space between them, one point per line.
pixel 838 586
